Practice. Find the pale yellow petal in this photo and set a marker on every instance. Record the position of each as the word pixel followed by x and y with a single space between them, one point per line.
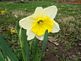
pixel 51 11
pixel 39 11
pixel 30 35
pixel 40 37
pixel 26 23
pixel 56 27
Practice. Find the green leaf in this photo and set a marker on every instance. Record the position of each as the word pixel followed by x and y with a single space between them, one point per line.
pixel 24 45
pixel 45 41
pixel 1 57
pixel 17 27
pixel 7 51
pixel 36 51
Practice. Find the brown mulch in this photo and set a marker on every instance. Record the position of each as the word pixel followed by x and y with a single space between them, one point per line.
pixel 70 2
pixel 75 2
pixel 55 52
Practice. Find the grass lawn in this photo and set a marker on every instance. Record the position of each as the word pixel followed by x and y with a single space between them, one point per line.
pixel 65 45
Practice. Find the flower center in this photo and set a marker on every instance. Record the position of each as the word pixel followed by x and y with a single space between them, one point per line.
pixel 41 24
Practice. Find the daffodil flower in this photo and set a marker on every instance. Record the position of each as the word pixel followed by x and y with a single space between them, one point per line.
pixel 42 20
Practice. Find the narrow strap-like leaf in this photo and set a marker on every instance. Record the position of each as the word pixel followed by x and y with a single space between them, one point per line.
pixel 45 41
pixel 17 27
pixel 1 57
pixel 24 45
pixel 7 51
pixel 36 51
